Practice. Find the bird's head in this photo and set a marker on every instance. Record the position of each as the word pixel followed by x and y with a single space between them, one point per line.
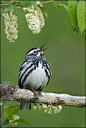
pixel 35 52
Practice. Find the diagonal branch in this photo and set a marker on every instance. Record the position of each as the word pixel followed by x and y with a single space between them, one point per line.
pixel 14 93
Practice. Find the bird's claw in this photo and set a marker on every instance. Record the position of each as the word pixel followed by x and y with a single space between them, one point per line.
pixel 33 99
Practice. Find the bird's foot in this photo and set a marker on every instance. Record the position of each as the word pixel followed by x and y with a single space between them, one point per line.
pixel 31 89
pixel 36 93
pixel 33 99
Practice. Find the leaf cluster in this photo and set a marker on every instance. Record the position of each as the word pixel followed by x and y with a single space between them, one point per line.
pixel 76 13
pixel 8 115
pixel 75 10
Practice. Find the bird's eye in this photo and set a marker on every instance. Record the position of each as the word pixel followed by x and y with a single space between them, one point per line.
pixel 35 52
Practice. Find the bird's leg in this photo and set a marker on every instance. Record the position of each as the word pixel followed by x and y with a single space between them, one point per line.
pixel 31 89
pixel 28 104
pixel 39 93
pixel 36 94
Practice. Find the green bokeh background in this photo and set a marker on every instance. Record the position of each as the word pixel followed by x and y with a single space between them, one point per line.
pixel 66 53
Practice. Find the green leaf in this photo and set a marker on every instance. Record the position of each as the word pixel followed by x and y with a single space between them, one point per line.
pixel 76 29
pixel 58 6
pixel 73 13
pixel 10 111
pixel 24 3
pixel 9 7
pixel 65 7
pixel 27 3
pixel 21 120
pixel 16 3
pixel 32 3
pixel 44 11
pixel 2 2
pixel 6 122
pixel 8 103
pixel 81 15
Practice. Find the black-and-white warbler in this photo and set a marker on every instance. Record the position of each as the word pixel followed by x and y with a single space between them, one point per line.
pixel 34 72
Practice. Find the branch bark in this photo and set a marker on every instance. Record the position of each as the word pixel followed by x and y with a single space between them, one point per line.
pixel 10 92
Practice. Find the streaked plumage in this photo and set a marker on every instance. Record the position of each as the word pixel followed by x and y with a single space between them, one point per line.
pixel 35 70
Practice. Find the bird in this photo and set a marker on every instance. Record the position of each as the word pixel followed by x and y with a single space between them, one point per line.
pixel 34 73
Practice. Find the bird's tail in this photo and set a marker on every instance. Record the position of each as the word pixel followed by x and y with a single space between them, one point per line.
pixel 27 105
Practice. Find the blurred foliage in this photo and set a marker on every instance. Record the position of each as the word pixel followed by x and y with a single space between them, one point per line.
pixel 66 53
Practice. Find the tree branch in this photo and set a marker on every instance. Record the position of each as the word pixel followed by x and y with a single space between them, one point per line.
pixel 14 93
pixel 3 111
pixel 4 4
pixel 42 2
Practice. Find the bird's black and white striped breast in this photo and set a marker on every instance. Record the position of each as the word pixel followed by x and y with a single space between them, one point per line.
pixel 35 74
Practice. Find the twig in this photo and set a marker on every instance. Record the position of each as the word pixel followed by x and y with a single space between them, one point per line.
pixel 2 112
pixel 50 2
pixel 4 4
pixel 43 2
pixel 14 93
pixel 8 4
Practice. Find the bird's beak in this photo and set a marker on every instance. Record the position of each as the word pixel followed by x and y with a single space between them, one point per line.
pixel 41 48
